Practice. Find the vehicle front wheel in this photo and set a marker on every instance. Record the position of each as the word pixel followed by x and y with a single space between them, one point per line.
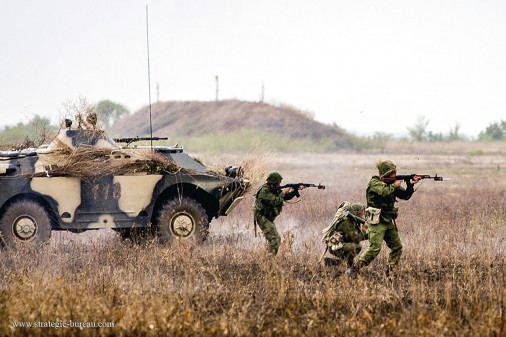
pixel 182 219
pixel 25 222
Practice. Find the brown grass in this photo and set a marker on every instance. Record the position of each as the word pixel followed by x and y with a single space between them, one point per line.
pixel 451 281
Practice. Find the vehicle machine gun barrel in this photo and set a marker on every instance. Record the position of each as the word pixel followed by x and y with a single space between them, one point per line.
pixel 129 141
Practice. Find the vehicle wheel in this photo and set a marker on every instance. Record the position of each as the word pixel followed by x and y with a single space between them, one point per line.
pixel 183 219
pixel 25 222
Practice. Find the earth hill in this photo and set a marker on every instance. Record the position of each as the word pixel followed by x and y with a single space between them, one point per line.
pixel 192 119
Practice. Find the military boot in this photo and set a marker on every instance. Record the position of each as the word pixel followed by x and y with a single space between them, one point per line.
pixel 352 272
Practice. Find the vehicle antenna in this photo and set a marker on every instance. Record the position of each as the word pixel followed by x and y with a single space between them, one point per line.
pixel 149 79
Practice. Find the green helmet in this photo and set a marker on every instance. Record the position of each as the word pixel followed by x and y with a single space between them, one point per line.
pixel 356 208
pixel 385 168
pixel 274 177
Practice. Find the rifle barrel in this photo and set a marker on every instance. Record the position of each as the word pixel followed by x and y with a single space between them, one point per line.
pixel 408 177
pixel 296 185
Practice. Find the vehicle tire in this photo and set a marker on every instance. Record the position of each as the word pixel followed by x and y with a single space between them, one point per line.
pixel 25 222
pixel 182 219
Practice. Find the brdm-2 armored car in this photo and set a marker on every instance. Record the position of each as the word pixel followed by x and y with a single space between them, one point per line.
pixel 85 180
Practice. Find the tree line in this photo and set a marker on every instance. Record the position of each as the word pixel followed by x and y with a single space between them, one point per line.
pixel 419 132
pixel 40 130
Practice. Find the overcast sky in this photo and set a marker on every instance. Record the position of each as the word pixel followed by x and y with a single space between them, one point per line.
pixel 366 65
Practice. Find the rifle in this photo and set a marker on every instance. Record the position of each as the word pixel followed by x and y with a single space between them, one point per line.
pixel 128 141
pixel 408 177
pixel 296 187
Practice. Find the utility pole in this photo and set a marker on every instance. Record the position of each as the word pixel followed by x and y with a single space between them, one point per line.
pixel 217 86
pixel 157 92
pixel 262 93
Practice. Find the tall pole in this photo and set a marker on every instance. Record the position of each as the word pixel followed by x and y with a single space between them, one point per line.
pixel 217 86
pixel 149 78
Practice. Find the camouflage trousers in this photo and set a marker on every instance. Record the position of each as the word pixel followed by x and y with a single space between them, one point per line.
pixel 377 234
pixel 347 252
pixel 270 233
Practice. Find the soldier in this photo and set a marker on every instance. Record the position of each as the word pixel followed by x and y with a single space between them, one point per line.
pixel 343 236
pixel 381 194
pixel 269 201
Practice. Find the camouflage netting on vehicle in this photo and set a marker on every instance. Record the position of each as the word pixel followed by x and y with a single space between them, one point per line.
pixel 94 162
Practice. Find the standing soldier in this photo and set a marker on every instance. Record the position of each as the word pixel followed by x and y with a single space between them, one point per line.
pixel 344 234
pixel 381 194
pixel 268 204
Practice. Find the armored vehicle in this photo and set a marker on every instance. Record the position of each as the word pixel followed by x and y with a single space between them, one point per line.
pixel 85 180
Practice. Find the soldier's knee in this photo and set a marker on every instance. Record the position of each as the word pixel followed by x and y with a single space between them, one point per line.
pixel 374 252
pixel 374 247
pixel 397 248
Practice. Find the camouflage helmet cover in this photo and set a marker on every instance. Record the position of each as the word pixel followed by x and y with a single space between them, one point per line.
pixel 357 208
pixel 385 168
pixel 274 177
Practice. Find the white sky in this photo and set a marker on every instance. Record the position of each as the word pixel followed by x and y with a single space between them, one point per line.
pixel 366 65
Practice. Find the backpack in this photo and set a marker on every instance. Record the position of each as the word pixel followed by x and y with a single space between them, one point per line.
pixel 330 237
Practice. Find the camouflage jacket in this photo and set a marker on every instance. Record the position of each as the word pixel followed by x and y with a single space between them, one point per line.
pixel 350 230
pixel 269 201
pixel 382 195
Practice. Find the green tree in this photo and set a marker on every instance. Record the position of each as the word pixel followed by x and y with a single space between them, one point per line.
pixel 108 112
pixel 495 131
pixel 36 132
pixel 418 132
pixel 434 137
pixel 454 133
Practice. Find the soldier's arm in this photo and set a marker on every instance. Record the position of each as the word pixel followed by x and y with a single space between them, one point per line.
pixel 404 193
pixel 381 188
pixel 289 195
pixel 269 198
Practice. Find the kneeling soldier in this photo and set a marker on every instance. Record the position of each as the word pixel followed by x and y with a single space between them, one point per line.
pixel 344 234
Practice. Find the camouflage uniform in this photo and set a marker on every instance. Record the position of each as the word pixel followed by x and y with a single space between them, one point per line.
pixel 349 235
pixel 268 205
pixel 383 196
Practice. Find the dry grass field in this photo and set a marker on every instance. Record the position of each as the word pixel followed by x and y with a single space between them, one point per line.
pixel 451 280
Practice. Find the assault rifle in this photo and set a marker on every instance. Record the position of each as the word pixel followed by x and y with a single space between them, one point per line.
pixel 128 141
pixel 296 187
pixel 408 177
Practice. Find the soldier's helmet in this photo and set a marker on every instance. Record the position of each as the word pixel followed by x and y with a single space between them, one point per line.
pixel 357 208
pixel 274 177
pixel 385 168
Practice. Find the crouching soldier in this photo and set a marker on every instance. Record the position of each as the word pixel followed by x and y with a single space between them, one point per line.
pixel 343 236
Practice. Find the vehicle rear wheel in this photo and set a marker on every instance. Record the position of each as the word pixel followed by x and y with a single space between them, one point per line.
pixel 182 219
pixel 25 222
